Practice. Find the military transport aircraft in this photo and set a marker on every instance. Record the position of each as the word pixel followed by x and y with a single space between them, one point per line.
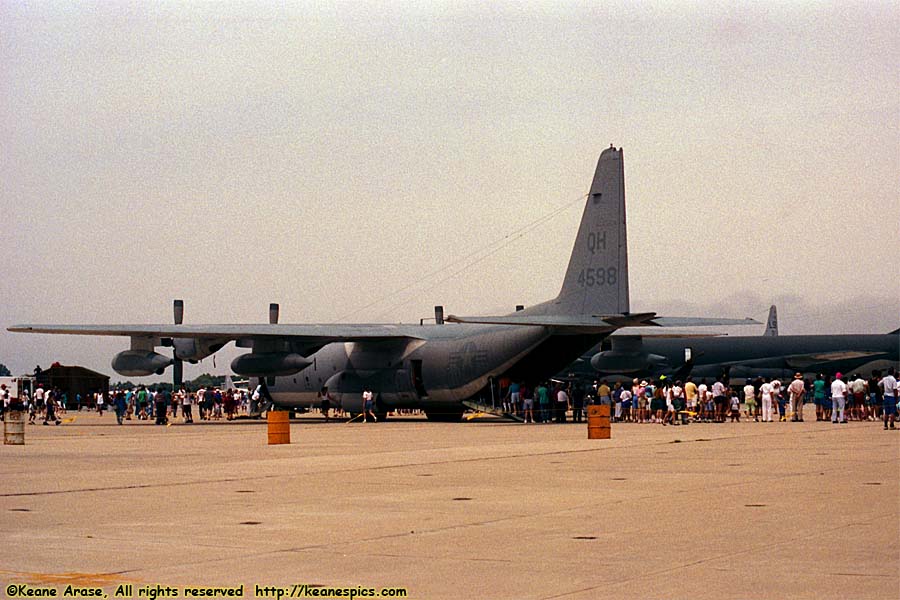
pixel 433 367
pixel 768 355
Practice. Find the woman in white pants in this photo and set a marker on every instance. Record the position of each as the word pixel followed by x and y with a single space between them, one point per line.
pixel 838 396
pixel 766 397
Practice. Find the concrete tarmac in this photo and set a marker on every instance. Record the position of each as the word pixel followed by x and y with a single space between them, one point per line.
pixel 484 509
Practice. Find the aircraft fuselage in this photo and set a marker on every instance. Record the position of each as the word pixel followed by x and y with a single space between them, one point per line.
pixel 742 355
pixel 451 364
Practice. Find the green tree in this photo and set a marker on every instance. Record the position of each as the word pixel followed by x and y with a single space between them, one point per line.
pixel 4 372
pixel 207 380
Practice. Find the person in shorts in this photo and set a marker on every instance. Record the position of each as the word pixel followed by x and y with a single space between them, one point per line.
pixel 889 388
pixel 750 399
pixel 369 406
pixel 642 402
pixel 876 402
pixel 735 405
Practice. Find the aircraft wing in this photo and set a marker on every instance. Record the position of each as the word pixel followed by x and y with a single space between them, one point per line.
pixel 600 323
pixel 306 333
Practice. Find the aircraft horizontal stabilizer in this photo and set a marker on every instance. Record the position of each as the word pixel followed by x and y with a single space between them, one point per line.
pixel 598 324
pixel 560 323
pixel 658 335
pixel 564 324
pixel 700 322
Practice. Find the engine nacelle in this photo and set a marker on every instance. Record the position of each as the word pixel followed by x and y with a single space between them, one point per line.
pixel 140 363
pixel 195 349
pixel 269 364
pixel 347 388
pixel 393 387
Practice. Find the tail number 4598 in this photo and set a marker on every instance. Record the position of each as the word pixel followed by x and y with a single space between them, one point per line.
pixel 597 277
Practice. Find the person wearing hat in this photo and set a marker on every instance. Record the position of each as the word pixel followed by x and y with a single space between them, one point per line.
pixel 797 390
pixel 640 396
pixel 838 399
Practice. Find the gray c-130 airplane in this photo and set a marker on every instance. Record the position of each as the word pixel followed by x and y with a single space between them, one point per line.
pixel 432 367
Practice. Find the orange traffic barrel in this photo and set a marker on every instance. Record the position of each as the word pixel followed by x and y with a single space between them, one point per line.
pixel 279 426
pixel 598 422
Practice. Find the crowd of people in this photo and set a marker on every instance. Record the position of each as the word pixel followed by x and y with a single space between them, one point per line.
pixel 141 403
pixel 663 400
pixel 668 401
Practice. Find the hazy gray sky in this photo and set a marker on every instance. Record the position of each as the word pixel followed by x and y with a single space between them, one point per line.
pixel 325 156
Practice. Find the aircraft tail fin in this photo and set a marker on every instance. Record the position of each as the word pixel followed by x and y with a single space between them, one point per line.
pixel 772 322
pixel 596 281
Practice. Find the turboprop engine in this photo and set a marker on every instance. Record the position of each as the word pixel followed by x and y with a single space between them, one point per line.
pixel 139 363
pixel 269 364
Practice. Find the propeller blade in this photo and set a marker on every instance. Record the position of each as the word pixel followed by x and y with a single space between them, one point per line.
pixel 177 373
pixel 178 308
pixel 177 363
pixel 273 314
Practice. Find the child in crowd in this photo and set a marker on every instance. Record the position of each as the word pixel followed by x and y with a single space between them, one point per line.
pixel 735 408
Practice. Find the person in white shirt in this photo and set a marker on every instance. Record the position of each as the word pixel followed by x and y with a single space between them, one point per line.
pixel 187 412
pixel 857 398
pixel 562 405
pixel 778 398
pixel 678 403
pixel 627 402
pixel 670 405
pixel 838 399
pixel 766 399
pixel 703 400
pixel 368 406
pixel 4 399
pixel 718 392
pixel 889 386
pixel 797 390
pixel 750 400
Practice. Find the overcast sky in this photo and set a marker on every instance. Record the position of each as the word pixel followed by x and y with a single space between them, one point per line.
pixel 363 162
